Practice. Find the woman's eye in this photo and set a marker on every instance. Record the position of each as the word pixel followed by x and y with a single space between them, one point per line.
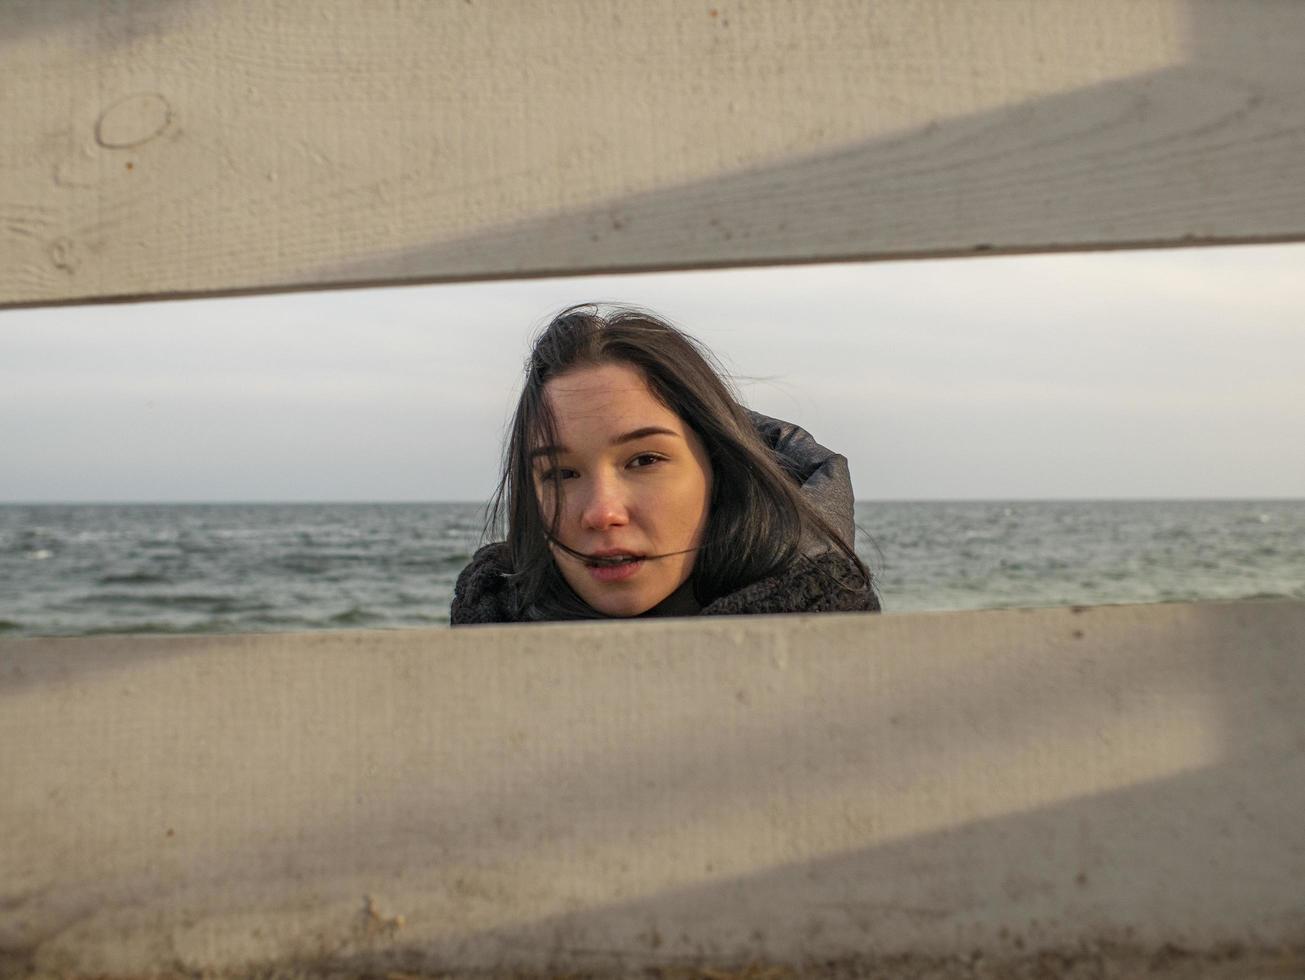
pixel 561 473
pixel 646 459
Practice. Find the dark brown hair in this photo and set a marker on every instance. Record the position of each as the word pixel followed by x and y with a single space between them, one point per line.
pixel 757 514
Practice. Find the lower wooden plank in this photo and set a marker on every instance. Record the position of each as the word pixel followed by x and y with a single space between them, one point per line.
pixel 956 789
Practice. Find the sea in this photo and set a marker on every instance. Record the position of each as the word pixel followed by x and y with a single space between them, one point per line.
pixel 221 568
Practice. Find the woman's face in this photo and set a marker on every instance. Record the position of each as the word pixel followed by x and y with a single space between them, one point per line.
pixel 635 482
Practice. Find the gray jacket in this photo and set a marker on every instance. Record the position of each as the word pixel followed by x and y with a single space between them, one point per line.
pixel 821 472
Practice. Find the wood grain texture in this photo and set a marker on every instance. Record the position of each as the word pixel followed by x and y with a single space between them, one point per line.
pixel 160 147
pixel 654 798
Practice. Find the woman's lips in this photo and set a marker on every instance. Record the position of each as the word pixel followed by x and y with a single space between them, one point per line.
pixel 615 573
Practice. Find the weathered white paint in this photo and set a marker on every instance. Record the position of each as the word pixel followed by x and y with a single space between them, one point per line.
pixel 158 147
pixel 604 796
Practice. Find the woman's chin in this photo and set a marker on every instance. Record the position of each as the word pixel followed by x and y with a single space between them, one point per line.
pixel 619 605
pixel 618 599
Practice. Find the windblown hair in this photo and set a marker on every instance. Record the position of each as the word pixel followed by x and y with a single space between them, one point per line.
pixel 758 521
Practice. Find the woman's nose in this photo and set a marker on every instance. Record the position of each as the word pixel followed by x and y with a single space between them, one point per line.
pixel 604 505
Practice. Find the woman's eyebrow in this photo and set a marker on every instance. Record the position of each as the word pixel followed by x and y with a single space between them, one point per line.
pixel 631 436
pixel 647 430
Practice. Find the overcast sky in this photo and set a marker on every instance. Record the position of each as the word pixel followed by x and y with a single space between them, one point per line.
pixel 1126 374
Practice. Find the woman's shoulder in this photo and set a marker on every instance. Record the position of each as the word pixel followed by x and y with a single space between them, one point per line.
pixel 825 582
pixel 483 592
pixel 821 473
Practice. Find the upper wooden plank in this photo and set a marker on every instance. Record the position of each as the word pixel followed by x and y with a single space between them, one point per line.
pixel 161 147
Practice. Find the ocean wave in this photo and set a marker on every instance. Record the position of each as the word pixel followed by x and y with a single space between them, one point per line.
pixel 157 627
pixel 278 621
pixel 317 562
pixel 355 616
pixel 192 602
pixel 334 554
pixel 432 563
pixel 308 565
pixel 132 578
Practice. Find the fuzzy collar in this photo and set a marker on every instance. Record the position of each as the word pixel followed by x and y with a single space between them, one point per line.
pixel 485 594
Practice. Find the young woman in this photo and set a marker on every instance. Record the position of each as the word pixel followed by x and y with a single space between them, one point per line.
pixel 635 484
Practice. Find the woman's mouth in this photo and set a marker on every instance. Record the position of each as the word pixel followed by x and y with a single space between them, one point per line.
pixel 614 567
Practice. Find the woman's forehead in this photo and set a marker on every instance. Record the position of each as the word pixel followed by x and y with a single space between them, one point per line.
pixel 598 401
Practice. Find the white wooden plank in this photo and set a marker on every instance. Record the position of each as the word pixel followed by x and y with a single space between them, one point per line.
pixel 1119 785
pixel 157 147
